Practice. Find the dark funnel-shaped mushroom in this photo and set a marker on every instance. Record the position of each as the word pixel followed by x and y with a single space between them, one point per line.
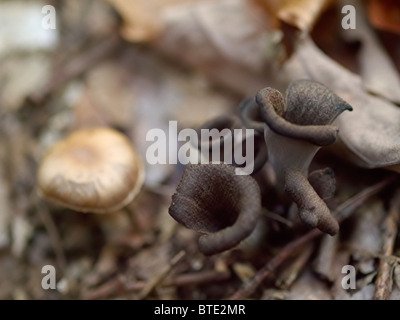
pixel 296 127
pixel 214 201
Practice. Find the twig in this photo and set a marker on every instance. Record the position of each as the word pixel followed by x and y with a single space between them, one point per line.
pixel 277 217
pixel 158 278
pixel 342 212
pixel 325 257
pixel 383 284
pixel 291 273
pixel 119 284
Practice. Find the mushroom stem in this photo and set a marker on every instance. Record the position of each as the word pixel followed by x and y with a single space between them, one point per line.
pixel 312 209
pixel 284 152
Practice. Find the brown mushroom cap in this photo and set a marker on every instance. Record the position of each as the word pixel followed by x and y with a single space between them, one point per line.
pixel 92 170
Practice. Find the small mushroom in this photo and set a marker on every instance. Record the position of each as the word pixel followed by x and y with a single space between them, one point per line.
pixel 92 170
pixel 216 202
pixel 296 128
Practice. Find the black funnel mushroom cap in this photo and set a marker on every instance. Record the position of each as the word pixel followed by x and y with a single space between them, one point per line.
pixel 214 201
pixel 307 114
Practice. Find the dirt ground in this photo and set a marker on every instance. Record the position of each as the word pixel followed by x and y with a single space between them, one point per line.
pixel 137 65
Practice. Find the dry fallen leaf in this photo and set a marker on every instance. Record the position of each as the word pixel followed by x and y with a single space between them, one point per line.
pixel 301 14
pixel 378 72
pixel 371 132
pixel 144 18
pixel 385 14
pixel 229 40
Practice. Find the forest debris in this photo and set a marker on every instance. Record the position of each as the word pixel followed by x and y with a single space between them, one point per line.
pixel 342 212
pixel 5 203
pixel 53 233
pixel 69 284
pixel 301 14
pixel 85 20
pixel 274 294
pixel 21 28
pixel 366 293
pixel 143 18
pixel 307 287
pixel 366 236
pixel 25 75
pixel 378 71
pixel 107 262
pixel 161 275
pixel 21 231
pixel 166 225
pixel 385 14
pixel 325 258
pixel 342 258
pixel 396 274
pixel 238 52
pixel 74 67
pixel 395 295
pixel 162 94
pixel 238 38
pixel 148 262
pixel 107 97
pixel 120 284
pixel 384 281
pixel 243 270
pixel 289 275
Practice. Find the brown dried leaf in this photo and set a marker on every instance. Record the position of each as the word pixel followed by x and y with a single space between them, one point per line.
pixel 301 14
pixel 385 14
pixel 371 132
pixel 309 287
pixel 229 40
pixel 144 18
pixel 378 71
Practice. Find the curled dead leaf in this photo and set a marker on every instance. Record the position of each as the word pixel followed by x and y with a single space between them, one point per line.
pixel 385 14
pixel 301 14
pixel 377 70
pixel 143 19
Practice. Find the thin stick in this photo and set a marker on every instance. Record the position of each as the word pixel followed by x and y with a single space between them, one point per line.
pixel 342 212
pixel 383 284
pixel 291 273
pixel 121 285
pixel 158 278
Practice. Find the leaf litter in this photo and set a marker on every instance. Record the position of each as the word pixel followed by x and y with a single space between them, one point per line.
pixel 175 61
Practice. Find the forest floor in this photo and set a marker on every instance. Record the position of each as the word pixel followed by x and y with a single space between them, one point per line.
pixel 136 65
